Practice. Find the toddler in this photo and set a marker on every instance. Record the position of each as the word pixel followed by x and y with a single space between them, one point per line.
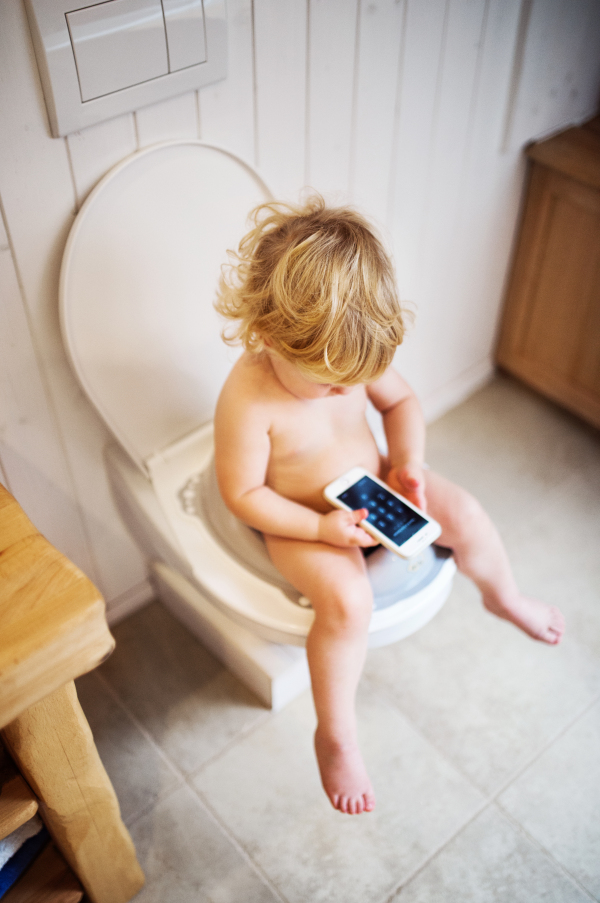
pixel 312 299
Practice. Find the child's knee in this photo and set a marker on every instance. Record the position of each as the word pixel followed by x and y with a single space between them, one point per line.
pixel 347 610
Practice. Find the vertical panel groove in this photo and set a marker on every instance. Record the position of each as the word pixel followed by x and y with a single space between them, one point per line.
pixel 136 131
pixel 198 115
pixel 436 110
pixel 307 130
pixel 76 204
pixel 353 123
pixel 473 100
pixel 254 85
pixel 397 113
pixel 517 69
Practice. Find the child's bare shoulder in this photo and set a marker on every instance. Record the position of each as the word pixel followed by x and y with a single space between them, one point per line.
pixel 246 390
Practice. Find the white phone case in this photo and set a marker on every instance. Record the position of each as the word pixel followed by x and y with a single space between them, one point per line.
pixel 428 533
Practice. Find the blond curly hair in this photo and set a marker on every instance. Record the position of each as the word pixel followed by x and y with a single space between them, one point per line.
pixel 316 285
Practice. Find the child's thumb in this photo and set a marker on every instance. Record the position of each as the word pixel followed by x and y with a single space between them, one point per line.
pixel 359 514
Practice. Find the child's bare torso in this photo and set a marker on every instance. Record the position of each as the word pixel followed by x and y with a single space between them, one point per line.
pixel 311 441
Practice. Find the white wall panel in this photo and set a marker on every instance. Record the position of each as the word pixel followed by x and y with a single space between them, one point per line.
pixel 30 444
pixel 560 70
pixel 425 29
pixel 483 229
pixel 439 302
pixel 93 151
pixel 380 45
pixel 280 43
pixel 227 107
pixel 174 118
pixel 491 187
pixel 38 198
pixel 331 65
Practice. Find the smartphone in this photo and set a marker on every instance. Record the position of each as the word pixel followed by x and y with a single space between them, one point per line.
pixel 394 521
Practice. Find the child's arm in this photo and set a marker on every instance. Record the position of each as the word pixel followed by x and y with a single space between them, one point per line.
pixel 405 432
pixel 242 447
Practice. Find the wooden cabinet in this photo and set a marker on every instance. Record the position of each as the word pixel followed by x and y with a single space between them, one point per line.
pixel 550 333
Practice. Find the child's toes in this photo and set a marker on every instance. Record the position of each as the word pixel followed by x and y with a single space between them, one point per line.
pixel 369 802
pixel 556 626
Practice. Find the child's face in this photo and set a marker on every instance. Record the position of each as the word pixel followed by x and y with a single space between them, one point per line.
pixel 301 386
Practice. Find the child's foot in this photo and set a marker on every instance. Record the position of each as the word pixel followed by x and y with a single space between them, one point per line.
pixel 344 776
pixel 540 621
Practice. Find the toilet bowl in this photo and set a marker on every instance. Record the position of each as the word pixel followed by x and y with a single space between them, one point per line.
pixel 137 284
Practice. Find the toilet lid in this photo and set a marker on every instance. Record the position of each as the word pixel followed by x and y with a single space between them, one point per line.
pixel 138 283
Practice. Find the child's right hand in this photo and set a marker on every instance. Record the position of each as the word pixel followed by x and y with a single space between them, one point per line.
pixel 340 528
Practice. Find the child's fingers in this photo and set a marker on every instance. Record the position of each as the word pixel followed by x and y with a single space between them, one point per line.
pixel 361 538
pixel 359 514
pixel 419 497
pixel 365 539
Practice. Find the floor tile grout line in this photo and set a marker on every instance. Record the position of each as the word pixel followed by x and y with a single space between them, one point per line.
pixel 173 766
pixel 491 797
pixel 226 830
pixel 388 695
pixel 492 800
pixel 141 727
pixel 567 727
pixel 146 810
pixel 241 735
pixel 187 781
pixel 547 853
pixel 475 815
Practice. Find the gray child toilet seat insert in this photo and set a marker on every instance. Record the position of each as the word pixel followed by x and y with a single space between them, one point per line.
pixel 392 578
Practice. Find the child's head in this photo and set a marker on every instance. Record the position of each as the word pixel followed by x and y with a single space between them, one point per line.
pixel 315 285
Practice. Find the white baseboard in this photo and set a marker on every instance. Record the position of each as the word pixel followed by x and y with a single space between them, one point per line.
pixel 130 601
pixel 459 389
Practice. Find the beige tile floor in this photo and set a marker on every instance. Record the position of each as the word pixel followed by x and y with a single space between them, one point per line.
pixel 484 746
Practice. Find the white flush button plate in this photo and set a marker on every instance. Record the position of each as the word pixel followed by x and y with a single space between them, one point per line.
pixel 118 44
pixel 99 60
pixel 184 21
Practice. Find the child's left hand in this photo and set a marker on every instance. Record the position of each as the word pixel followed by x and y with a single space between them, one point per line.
pixel 409 481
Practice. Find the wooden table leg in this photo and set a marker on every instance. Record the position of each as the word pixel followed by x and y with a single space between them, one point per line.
pixel 52 744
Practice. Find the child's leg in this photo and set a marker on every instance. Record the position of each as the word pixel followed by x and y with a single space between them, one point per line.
pixel 480 554
pixel 336 583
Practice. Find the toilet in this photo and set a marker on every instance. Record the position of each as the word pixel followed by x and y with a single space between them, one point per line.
pixel 137 286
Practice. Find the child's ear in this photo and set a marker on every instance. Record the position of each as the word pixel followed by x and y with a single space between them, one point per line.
pixel 267 342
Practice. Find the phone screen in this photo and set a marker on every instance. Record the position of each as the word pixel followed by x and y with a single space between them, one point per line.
pixel 386 512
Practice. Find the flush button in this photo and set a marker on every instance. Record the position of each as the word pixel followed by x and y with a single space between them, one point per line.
pixel 118 44
pixel 184 20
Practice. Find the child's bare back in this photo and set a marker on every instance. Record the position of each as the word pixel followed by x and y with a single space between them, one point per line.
pixel 319 317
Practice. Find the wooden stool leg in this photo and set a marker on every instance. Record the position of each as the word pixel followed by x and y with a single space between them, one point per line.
pixel 52 744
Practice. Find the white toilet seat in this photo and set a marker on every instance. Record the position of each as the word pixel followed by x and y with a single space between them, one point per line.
pixel 137 284
pixel 256 602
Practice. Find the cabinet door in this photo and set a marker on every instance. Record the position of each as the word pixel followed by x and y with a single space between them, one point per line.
pixel 550 334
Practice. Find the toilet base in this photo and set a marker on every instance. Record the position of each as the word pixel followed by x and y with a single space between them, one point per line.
pixel 276 673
